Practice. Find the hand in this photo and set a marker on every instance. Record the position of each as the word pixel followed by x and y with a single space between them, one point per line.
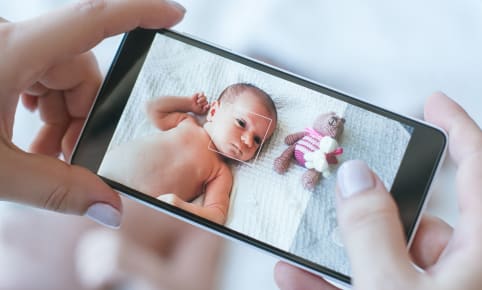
pixel 160 254
pixel 200 104
pixel 373 233
pixel 47 61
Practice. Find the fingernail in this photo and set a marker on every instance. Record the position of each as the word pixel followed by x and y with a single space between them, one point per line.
pixel 354 177
pixel 177 5
pixel 104 214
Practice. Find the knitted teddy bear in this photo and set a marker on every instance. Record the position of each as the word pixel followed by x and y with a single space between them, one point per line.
pixel 314 148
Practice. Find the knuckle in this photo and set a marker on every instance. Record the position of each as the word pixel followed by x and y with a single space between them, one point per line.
pixel 56 199
pixel 93 10
pixel 92 6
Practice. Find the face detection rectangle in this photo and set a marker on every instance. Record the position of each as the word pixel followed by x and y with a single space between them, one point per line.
pixel 242 133
pixel 246 149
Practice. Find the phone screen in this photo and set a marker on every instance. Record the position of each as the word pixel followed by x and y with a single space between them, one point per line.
pixel 253 152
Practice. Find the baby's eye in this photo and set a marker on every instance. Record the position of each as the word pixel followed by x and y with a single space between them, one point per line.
pixel 241 123
pixel 257 140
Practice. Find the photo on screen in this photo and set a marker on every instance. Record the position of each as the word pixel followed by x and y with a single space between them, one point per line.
pixel 246 149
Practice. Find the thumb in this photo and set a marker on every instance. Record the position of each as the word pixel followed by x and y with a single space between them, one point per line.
pixel 49 183
pixel 371 229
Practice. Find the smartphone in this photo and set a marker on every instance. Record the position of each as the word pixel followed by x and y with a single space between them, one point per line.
pixel 245 149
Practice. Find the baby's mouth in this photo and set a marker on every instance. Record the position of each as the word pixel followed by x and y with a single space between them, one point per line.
pixel 234 150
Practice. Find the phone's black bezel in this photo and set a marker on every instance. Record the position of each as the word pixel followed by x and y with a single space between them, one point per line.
pixel 410 187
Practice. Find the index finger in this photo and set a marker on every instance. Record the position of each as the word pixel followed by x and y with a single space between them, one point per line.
pixel 79 26
pixel 465 147
pixel 465 136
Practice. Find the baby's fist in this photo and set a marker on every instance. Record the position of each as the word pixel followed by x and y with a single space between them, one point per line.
pixel 200 104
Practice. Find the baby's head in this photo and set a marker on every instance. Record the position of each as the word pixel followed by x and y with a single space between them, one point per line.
pixel 243 118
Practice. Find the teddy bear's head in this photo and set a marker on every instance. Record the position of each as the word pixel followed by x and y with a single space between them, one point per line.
pixel 329 124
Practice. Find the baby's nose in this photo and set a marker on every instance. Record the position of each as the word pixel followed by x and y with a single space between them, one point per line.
pixel 247 139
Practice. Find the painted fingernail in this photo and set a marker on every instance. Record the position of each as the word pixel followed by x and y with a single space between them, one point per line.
pixel 104 214
pixel 354 177
pixel 177 5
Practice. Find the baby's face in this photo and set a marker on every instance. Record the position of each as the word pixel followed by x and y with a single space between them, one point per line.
pixel 238 129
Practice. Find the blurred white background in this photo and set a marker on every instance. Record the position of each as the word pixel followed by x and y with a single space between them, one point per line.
pixel 392 53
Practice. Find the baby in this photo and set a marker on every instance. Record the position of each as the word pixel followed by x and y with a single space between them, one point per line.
pixel 185 159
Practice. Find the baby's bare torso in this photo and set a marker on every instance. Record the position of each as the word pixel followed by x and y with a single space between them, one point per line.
pixel 174 161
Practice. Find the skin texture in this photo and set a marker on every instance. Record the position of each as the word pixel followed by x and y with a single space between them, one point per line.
pixel 56 74
pixel 450 257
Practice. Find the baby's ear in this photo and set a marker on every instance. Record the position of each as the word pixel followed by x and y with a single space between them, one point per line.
pixel 212 110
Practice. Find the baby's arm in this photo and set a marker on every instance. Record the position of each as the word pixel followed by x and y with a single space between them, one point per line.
pixel 168 111
pixel 216 199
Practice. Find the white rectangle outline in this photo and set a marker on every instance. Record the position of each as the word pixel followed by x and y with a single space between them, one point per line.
pixel 259 149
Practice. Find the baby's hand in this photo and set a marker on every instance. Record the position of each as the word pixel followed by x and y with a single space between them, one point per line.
pixel 199 104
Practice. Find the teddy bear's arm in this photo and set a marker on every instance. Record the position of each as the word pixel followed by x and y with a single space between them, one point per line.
pixel 283 161
pixel 293 138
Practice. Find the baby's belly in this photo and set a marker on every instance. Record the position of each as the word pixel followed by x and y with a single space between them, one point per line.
pixel 154 174
pixel 185 185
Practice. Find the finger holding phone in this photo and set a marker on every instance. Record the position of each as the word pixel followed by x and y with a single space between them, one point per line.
pixel 46 61
pixel 450 258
